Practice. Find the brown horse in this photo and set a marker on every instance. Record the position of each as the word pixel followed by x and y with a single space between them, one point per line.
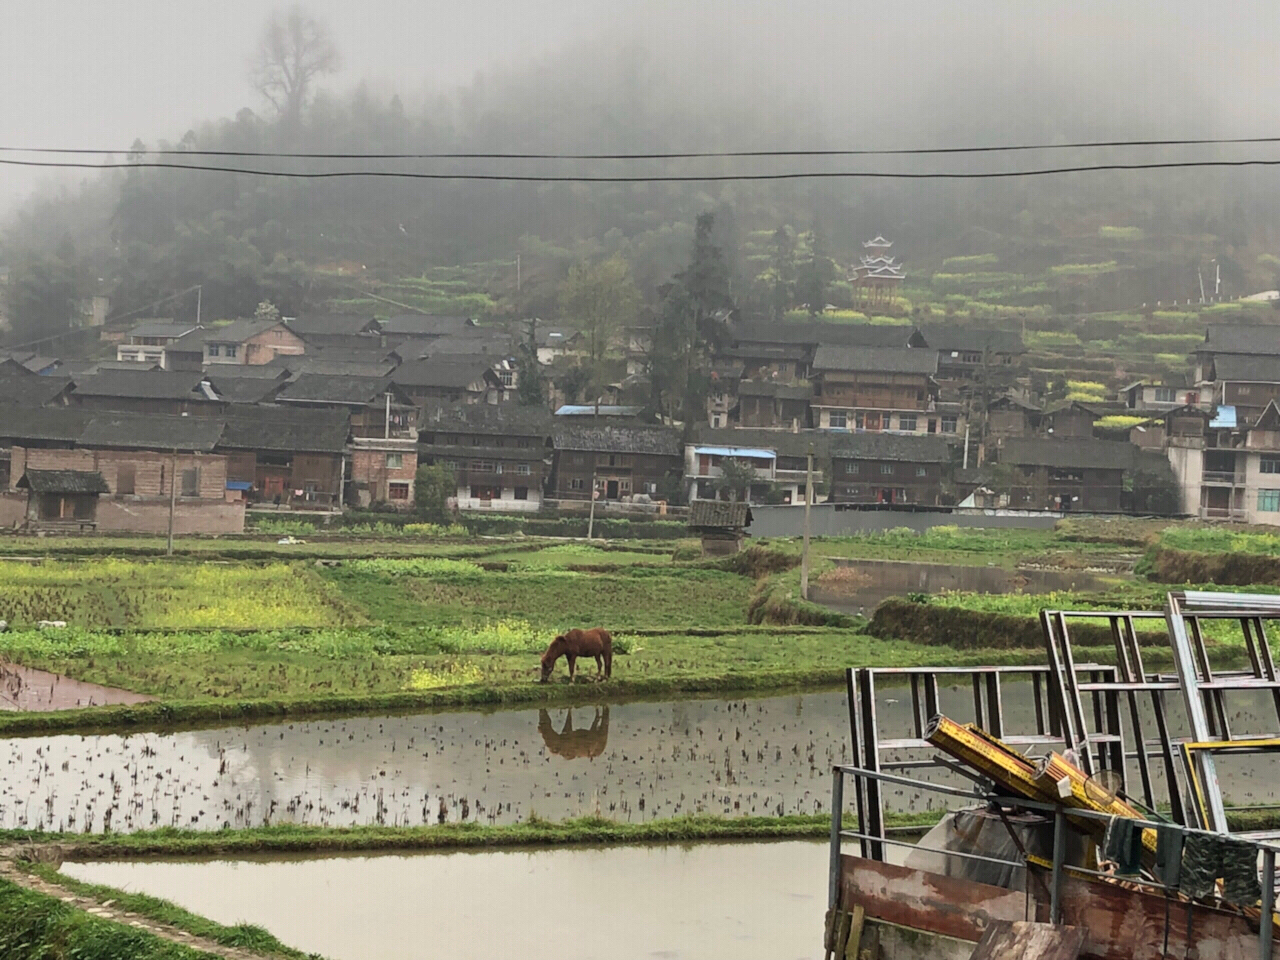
pixel 580 643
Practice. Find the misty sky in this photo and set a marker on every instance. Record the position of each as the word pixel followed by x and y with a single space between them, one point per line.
pixel 88 73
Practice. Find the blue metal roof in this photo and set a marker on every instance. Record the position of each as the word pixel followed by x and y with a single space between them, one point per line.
pixel 239 485
pixel 590 409
pixel 1224 418
pixel 749 453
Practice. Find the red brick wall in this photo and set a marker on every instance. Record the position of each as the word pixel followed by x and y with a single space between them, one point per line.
pixel 152 470
pixel 13 510
pixel 369 471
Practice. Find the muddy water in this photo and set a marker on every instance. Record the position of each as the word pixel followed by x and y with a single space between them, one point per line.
pixel 762 900
pixel 629 762
pixel 860 585
pixel 25 688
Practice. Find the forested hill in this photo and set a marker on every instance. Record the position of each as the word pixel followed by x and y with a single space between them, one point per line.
pixel 142 235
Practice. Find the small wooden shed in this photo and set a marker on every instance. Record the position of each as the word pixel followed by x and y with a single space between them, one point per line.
pixel 722 525
pixel 65 498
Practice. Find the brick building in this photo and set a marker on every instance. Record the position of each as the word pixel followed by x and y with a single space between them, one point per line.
pixel 888 469
pixel 139 458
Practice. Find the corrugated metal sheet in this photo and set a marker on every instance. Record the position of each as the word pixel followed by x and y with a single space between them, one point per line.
pixel 749 453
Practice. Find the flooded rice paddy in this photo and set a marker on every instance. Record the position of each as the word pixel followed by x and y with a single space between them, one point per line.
pixel 26 688
pixel 760 900
pixel 629 762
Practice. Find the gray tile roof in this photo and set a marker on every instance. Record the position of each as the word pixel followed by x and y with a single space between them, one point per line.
pixel 32 390
pixel 815 332
pixel 64 481
pixel 959 338
pixel 135 431
pixel 58 424
pixel 237 331
pixel 160 328
pixel 142 385
pixel 785 443
pixel 617 438
pixel 319 388
pixel 330 324
pixel 288 429
pixel 425 325
pixel 449 372
pixel 1081 452
pixel 1242 369
pixel 719 514
pixel 243 390
pixel 1248 339
pixel 918 360
pixel 491 419
pixel 904 448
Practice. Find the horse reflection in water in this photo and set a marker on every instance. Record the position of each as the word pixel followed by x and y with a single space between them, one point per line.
pixel 570 743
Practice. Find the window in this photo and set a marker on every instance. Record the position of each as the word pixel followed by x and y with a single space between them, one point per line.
pixel 947 424
pixel 715 420
pixel 1269 465
pixel 213 349
pixel 126 478
pixel 1244 391
pixel 1166 395
pixel 230 349
pixel 482 466
pixel 907 423
pixel 970 356
pixel 921 471
pixel 398 491
pixel 1269 501
pixel 395 461
pixel 523 469
pixel 508 378
pixel 309 490
pixel 191 482
pixel 522 493
pixel 886 469
pixel 839 420
pixel 851 468
pixel 575 483
pixel 579 459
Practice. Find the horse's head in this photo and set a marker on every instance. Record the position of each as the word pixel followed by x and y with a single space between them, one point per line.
pixel 550 657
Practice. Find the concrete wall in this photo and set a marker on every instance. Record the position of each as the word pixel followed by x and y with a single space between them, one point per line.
pixel 152 516
pixel 825 521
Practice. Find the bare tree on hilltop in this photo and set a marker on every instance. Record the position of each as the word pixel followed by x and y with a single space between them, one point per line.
pixel 294 50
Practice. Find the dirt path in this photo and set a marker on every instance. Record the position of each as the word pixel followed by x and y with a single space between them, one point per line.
pixel 107 911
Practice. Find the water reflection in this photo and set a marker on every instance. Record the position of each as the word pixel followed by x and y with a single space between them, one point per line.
pixel 570 743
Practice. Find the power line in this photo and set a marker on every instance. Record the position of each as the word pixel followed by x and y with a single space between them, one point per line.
pixel 686 155
pixel 662 178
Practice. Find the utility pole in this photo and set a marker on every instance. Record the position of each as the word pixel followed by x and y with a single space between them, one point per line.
pixel 386 429
pixel 518 284
pixel 808 501
pixel 591 518
pixel 199 296
pixel 173 496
